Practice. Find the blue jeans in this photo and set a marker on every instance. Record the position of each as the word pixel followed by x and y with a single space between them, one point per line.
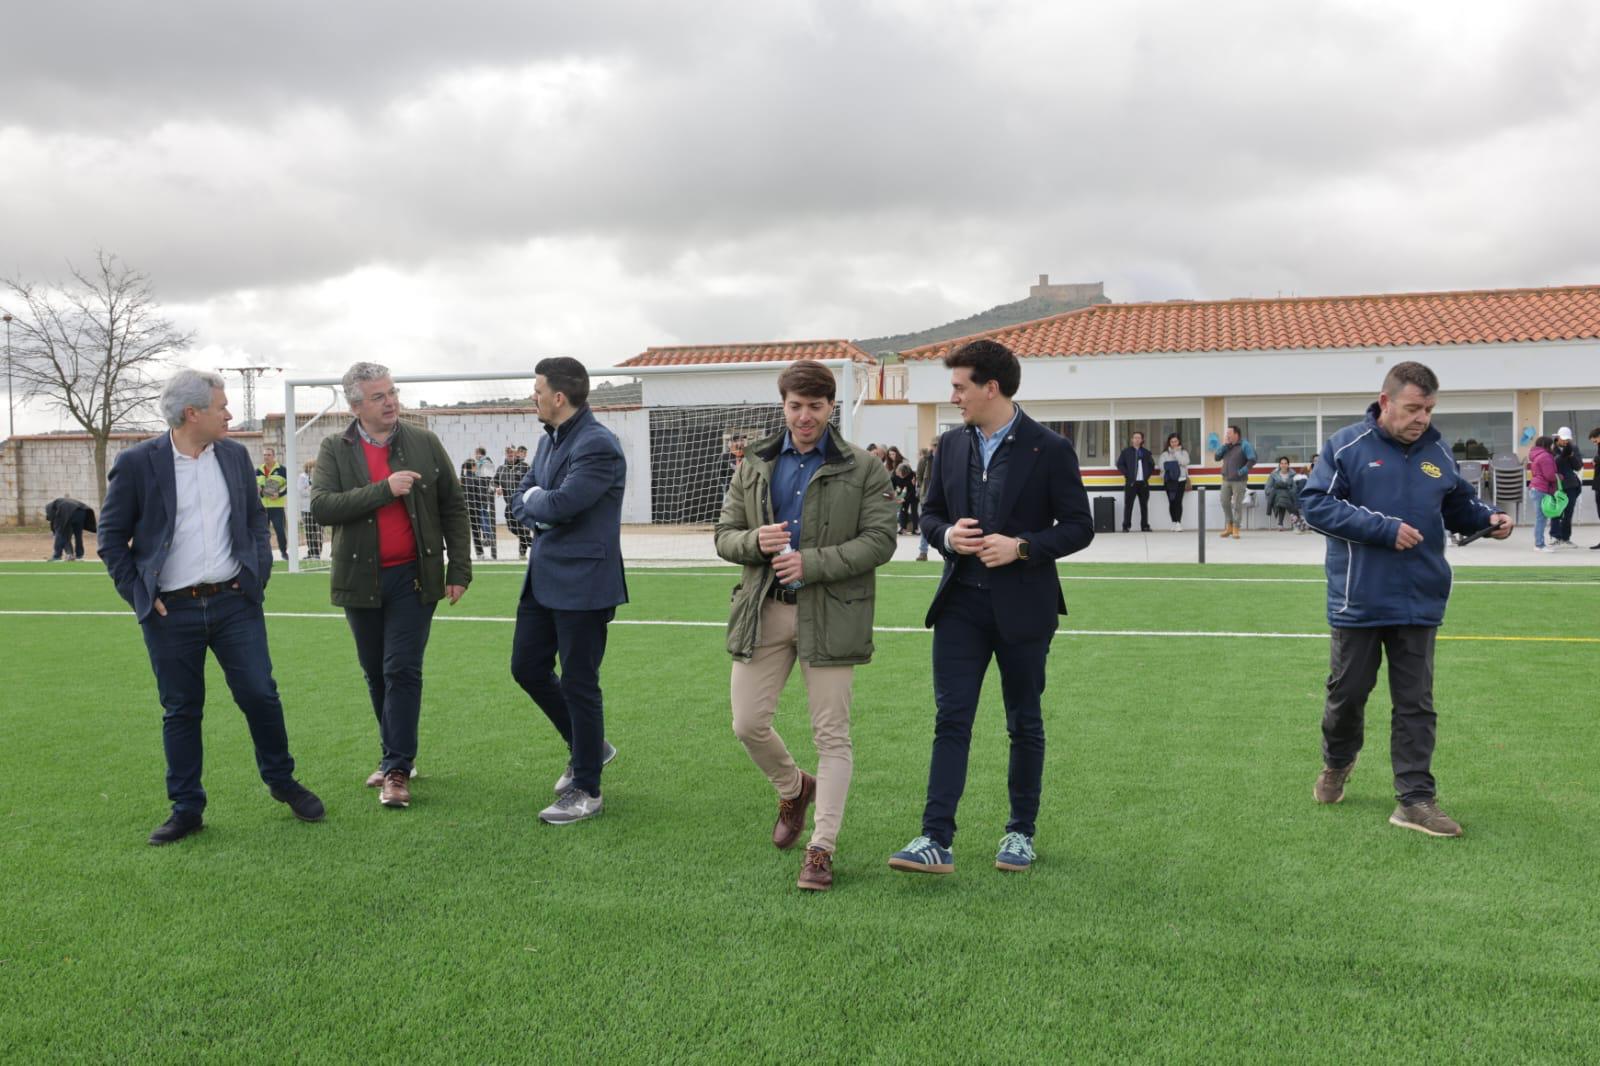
pixel 573 702
pixel 390 642
pixel 965 638
pixel 1539 519
pixel 233 627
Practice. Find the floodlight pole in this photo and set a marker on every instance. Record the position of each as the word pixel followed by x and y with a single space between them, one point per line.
pixel 11 407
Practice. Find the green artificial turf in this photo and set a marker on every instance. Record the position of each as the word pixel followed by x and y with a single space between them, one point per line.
pixel 1190 903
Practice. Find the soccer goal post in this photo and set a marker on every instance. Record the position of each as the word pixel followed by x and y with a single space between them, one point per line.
pixel 682 430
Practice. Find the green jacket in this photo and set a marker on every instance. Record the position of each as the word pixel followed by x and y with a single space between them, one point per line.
pixel 345 500
pixel 847 531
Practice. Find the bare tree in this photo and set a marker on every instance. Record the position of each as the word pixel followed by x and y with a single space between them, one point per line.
pixel 90 347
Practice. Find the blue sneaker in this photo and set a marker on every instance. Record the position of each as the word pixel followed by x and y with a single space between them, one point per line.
pixel 1016 852
pixel 923 856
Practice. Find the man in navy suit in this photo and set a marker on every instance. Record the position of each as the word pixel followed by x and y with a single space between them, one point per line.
pixel 1135 465
pixel 1005 501
pixel 184 536
pixel 572 499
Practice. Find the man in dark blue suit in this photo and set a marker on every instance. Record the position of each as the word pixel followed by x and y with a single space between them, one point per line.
pixel 1005 501
pixel 571 498
pixel 184 536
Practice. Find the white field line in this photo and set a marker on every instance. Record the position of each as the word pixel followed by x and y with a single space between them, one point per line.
pixel 1158 633
pixel 663 572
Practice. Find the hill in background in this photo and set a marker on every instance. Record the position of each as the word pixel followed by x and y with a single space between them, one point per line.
pixel 1043 300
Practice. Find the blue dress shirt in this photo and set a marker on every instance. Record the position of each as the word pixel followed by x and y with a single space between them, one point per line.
pixel 791 474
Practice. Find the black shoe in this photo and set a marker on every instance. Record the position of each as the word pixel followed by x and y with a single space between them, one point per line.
pixel 1146 529
pixel 301 800
pixel 1594 547
pixel 180 825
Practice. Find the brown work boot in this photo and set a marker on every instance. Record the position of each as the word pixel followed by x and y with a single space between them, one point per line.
pixel 816 874
pixel 1425 817
pixel 792 814
pixel 1227 530
pixel 396 789
pixel 1330 783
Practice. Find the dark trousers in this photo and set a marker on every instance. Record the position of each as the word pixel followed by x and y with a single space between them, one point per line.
pixel 483 532
pixel 1175 499
pixel 1136 490
pixel 909 514
pixel 235 631
pixel 572 702
pixel 313 534
pixel 69 539
pixel 523 534
pixel 1353 671
pixel 390 642
pixel 965 637
pixel 280 527
pixel 1561 525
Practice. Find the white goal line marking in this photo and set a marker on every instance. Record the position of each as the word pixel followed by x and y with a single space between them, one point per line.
pixel 1229 634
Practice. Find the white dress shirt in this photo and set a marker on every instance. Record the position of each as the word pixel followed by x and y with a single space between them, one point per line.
pixel 202 550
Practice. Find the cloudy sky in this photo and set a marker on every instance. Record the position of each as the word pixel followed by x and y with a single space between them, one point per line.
pixel 471 186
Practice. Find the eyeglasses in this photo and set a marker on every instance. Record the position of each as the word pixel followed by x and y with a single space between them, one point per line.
pixel 379 397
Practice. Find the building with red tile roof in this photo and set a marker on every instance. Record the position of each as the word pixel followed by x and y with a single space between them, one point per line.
pixel 763 352
pixel 1290 371
pixel 1495 316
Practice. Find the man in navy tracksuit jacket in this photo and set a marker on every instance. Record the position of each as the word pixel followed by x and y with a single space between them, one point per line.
pixel 1384 492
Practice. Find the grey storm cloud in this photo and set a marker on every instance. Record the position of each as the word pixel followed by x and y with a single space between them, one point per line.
pixel 873 166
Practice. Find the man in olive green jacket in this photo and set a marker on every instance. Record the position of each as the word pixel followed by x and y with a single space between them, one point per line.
pixel 389 493
pixel 810 517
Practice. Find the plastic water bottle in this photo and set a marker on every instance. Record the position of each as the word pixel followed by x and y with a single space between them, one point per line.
pixel 787 549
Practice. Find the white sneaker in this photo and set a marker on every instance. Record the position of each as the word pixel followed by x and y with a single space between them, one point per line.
pixel 574 806
pixel 1544 548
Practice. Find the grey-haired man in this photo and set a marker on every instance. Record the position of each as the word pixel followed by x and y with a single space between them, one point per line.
pixel 185 539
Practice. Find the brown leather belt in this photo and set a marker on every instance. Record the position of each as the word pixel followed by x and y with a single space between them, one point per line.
pixel 194 592
pixel 783 595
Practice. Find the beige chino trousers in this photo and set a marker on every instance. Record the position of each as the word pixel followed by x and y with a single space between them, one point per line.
pixel 755 688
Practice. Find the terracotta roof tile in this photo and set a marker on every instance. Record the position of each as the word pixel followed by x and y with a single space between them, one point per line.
pixel 1401 319
pixel 772 352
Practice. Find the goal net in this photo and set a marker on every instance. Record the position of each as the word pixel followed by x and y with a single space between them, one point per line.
pixel 682 429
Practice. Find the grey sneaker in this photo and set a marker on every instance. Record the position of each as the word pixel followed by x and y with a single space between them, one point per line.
pixel 1330 783
pixel 574 805
pixel 1425 817
pixel 564 782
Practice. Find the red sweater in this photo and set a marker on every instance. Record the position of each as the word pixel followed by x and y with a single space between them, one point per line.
pixel 397 544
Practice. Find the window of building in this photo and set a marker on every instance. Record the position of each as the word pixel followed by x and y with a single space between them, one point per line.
pixel 1155 432
pixel 1090 439
pixel 1477 435
pixel 1275 435
pixel 1581 422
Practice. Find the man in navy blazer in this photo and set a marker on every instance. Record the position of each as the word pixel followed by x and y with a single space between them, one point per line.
pixel 1136 464
pixel 1005 500
pixel 184 537
pixel 571 498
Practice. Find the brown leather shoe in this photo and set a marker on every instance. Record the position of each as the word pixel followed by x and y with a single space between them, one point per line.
pixel 792 814
pixel 816 874
pixel 375 779
pixel 396 789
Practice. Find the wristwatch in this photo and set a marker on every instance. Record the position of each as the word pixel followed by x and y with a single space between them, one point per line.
pixel 1022 550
